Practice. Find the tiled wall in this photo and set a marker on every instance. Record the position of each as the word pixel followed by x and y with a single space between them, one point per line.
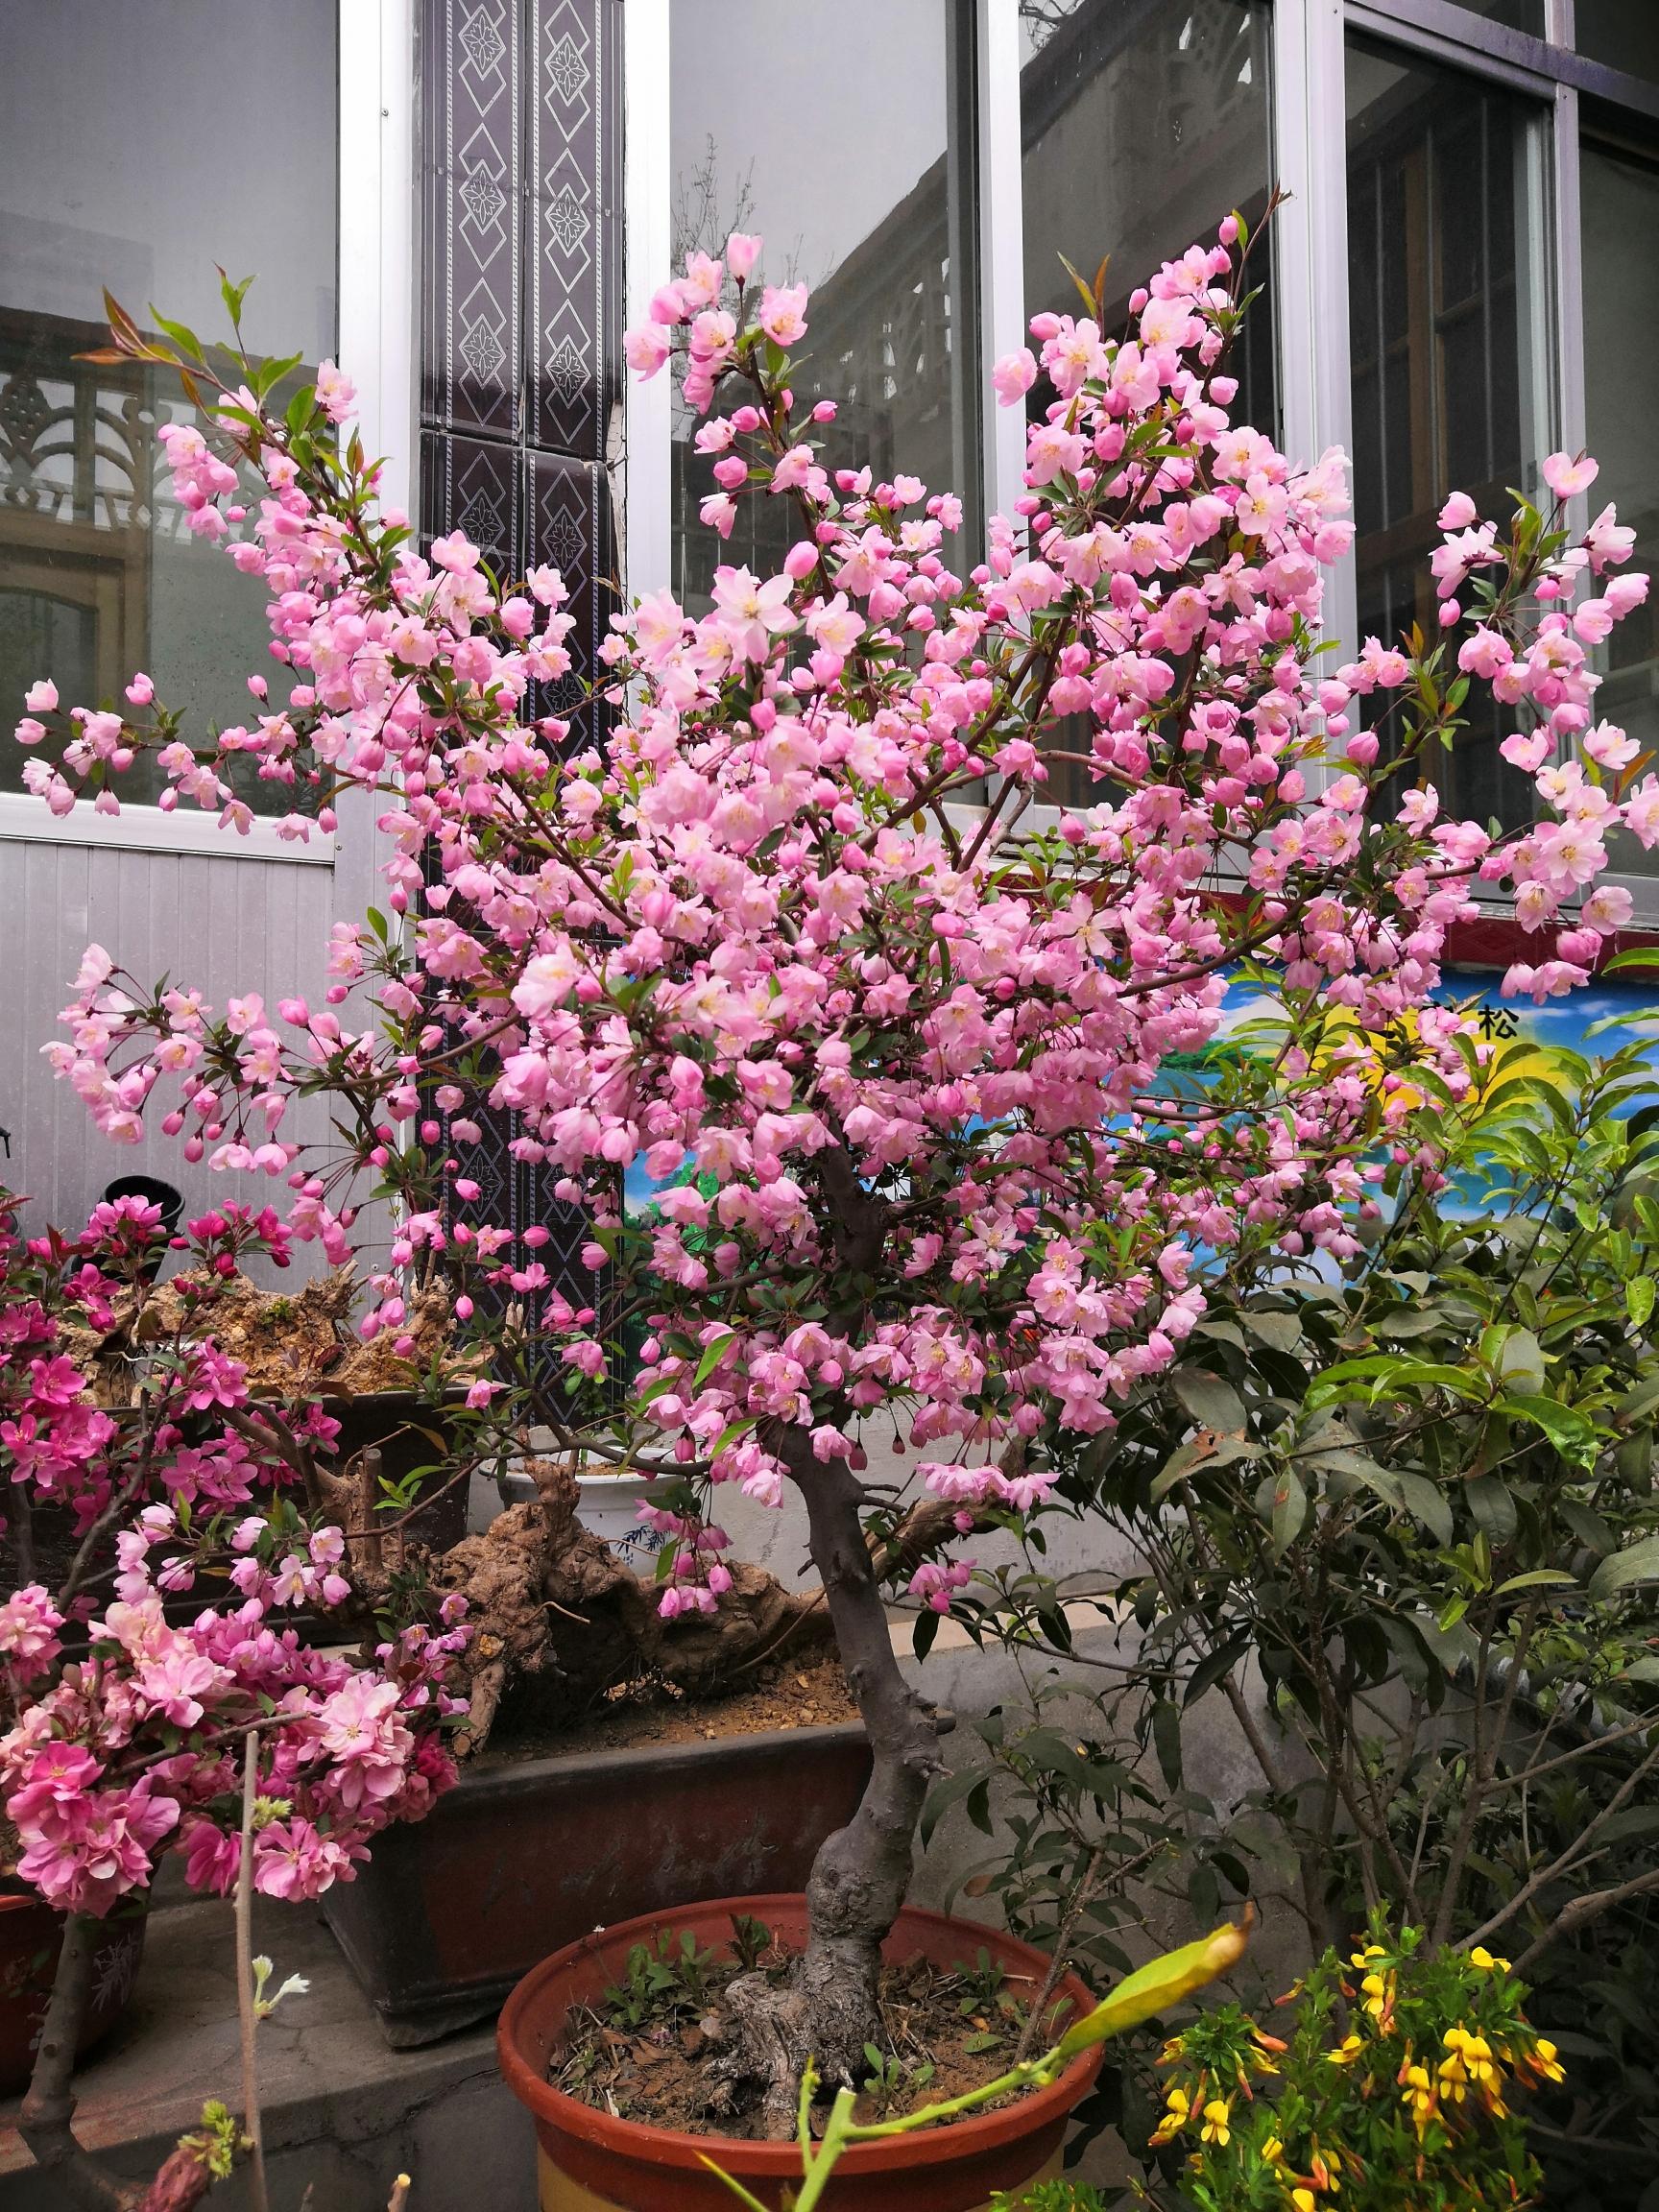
pixel 521 340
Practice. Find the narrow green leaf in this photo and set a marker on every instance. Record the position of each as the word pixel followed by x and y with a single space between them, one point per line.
pixel 1155 1987
pixel 1636 1563
pixel 713 1356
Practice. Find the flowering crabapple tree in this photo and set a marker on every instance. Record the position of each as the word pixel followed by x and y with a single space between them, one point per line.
pixel 779 916
pixel 127 1722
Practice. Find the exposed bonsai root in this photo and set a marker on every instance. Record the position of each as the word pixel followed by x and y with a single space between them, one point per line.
pixel 558 1619
pixel 824 2010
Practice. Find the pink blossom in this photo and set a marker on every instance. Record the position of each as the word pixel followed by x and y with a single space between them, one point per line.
pixel 1567 477
pixel 742 252
pixel 784 313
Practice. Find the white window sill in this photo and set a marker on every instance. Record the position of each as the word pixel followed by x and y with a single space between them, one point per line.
pixel 27 820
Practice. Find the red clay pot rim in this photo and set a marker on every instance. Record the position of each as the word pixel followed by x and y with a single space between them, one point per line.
pixel 641 2140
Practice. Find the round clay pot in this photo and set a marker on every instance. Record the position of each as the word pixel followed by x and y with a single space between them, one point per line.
pixel 31 1937
pixel 589 2162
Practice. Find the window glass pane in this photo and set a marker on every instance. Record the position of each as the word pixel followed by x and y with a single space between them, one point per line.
pixel 1444 184
pixel 880 226
pixel 1623 33
pixel 1143 126
pixel 118 167
pixel 1516 15
pixel 1620 200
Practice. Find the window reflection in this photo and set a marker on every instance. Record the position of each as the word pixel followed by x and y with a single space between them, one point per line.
pixel 1142 129
pixel 1444 188
pixel 1623 34
pixel 1619 202
pixel 884 234
pixel 133 189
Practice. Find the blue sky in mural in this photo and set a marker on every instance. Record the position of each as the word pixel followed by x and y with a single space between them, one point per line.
pixel 1563 1023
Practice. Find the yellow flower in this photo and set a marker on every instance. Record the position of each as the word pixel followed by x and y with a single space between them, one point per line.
pixel 1272 2150
pixel 1304 2201
pixel 1545 2061
pixel 1487 1963
pixel 1348 2050
pixel 1216 2115
pixel 1377 1992
pixel 1418 2094
pixel 1178 2111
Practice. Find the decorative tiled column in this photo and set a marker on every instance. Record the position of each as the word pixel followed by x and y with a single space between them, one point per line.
pixel 521 350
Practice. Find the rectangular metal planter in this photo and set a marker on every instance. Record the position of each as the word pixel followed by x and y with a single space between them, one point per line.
pixel 518 1860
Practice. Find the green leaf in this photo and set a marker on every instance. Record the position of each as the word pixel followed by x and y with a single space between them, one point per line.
pixel 1572 1433
pixel 1639 1295
pixel 1537 1578
pixel 1289 1510
pixel 1280 1332
pixel 1200 1454
pixel 1154 1988
pixel 944 1794
pixel 1209 1400
pixel 1493 1507
pixel 713 1356
pixel 1077 278
pixel 1516 1358
pixel 1634 1820
pixel 1167 1741
pixel 183 336
pixel 1426 1502
pixel 1637 1563
pixel 1215 1667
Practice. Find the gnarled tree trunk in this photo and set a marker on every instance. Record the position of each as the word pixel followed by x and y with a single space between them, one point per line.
pixel 825 2008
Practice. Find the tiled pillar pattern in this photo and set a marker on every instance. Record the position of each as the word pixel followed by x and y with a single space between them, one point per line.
pixel 520 346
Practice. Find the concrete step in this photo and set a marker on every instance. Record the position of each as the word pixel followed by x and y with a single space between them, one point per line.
pixel 342 2113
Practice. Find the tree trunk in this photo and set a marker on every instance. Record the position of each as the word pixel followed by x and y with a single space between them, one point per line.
pixel 826 2010
pixel 45 2122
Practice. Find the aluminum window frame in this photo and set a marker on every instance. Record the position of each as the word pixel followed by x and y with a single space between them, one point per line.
pixel 1549 70
pixel 1311 272
pixel 374 266
pixel 991 158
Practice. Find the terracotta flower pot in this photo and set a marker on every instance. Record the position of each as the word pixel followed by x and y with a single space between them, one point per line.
pixel 31 1937
pixel 591 2162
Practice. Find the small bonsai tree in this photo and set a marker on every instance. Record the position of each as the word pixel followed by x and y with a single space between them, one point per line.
pixel 775 914
pixel 151 1695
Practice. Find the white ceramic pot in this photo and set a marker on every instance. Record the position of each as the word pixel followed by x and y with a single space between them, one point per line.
pixel 610 1506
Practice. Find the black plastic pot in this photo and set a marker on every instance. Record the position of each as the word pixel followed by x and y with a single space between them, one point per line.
pixel 520 1859
pixel 154 1192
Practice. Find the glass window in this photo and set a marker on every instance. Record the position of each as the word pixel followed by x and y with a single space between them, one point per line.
pixel 1619 202
pixel 1142 128
pixel 1623 33
pixel 117 168
pixel 883 233
pixel 1445 187
pixel 1515 15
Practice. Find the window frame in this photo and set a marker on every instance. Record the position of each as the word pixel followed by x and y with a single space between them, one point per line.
pixel 1309 142
pixel 374 263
